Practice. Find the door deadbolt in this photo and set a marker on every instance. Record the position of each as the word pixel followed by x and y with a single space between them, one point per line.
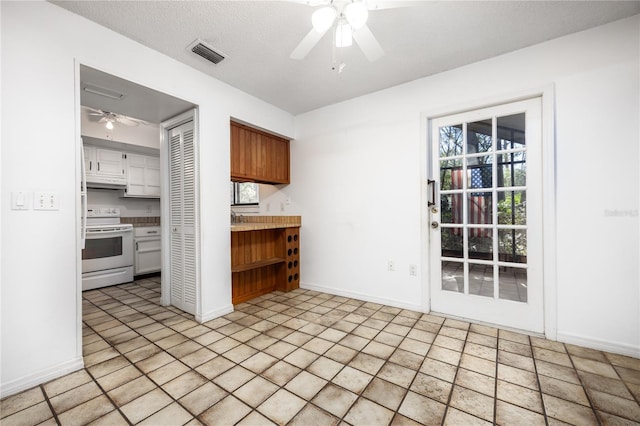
pixel 434 224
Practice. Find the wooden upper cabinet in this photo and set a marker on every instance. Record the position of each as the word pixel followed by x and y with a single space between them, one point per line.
pixel 257 156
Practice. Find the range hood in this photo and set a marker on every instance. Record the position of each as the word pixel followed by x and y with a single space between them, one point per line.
pixel 102 182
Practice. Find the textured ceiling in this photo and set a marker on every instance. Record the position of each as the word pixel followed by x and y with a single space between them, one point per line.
pixel 421 40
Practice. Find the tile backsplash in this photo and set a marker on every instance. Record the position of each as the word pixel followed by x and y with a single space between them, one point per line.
pixel 141 221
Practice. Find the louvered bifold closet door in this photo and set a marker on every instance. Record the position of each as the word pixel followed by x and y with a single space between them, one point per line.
pixel 183 218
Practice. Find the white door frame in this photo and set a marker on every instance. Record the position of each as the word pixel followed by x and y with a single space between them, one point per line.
pixel 549 274
pixel 165 127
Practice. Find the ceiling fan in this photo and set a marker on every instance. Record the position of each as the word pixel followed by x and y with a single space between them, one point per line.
pixel 348 19
pixel 112 117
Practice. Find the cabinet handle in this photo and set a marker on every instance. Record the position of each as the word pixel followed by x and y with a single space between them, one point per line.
pixel 98 166
pixel 90 165
pixel 136 246
pixel 152 232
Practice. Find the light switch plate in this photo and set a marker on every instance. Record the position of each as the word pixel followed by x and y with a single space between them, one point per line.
pixel 20 200
pixel 44 200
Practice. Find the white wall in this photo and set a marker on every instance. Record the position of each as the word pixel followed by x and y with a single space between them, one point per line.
pixel 356 175
pixel 40 46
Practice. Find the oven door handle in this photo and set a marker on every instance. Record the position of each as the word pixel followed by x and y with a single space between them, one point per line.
pixel 108 231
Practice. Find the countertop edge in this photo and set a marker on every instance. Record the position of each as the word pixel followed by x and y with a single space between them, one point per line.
pixel 243 227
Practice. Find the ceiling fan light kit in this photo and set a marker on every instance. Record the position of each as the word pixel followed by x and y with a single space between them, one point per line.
pixel 356 14
pixel 349 21
pixel 323 18
pixel 109 118
pixel 343 35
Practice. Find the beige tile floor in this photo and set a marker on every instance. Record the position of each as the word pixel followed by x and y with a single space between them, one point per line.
pixel 308 358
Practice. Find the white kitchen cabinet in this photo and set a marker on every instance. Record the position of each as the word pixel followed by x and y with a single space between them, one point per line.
pixel 143 176
pixel 104 166
pixel 147 250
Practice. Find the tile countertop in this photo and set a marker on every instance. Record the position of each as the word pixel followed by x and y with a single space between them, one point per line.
pixel 259 226
pixel 258 223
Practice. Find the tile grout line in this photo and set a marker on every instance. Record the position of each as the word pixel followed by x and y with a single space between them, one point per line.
pixel 535 370
pixel 584 389
pixel 635 397
pixel 46 398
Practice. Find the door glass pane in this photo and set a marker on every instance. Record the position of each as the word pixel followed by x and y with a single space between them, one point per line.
pixel 481 280
pixel 480 208
pixel 447 168
pixel 512 245
pixel 511 133
pixel 479 171
pixel 513 284
pixel 512 208
pixel 451 241
pixel 446 208
pixel 453 276
pixel 480 243
pixel 479 137
pixel 451 140
pixel 512 169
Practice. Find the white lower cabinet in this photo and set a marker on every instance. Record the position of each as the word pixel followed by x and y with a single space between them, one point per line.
pixel 147 250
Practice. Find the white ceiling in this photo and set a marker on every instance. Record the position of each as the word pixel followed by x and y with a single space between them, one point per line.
pixel 257 38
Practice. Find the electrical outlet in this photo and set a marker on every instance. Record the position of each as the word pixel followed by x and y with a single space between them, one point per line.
pixel 391 266
pixel 413 270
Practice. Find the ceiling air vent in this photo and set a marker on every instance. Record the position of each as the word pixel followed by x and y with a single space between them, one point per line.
pixel 200 48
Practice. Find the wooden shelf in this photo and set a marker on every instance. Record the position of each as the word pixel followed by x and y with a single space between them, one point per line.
pixel 263 261
pixel 259 264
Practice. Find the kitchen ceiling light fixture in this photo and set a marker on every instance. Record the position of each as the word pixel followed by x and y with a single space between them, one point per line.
pixel 109 118
pixel 101 91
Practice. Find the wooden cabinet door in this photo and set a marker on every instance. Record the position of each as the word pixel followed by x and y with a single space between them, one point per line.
pixel 257 156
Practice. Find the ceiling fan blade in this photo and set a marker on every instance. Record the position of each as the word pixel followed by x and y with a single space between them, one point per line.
pixel 368 43
pixel 308 42
pixel 311 2
pixel 390 4
pixel 129 121
pixel 94 111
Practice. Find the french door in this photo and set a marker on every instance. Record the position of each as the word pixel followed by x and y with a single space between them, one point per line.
pixel 485 215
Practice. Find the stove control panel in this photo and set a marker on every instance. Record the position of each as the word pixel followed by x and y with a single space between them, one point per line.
pixel 103 212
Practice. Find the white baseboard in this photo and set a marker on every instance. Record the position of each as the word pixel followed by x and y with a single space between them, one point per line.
pixel 39 377
pixel 211 315
pixel 361 296
pixel 601 345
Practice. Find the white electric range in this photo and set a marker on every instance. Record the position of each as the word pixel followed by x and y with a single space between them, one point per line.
pixel 107 258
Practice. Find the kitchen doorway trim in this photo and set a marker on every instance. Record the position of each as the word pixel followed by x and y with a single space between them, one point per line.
pixel 549 275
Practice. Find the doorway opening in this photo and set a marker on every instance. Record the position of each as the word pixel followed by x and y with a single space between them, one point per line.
pixel 119 122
